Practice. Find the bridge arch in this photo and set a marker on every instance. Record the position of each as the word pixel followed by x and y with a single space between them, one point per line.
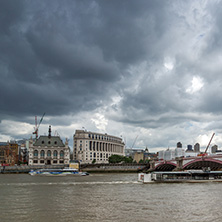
pixel 167 166
pixel 214 164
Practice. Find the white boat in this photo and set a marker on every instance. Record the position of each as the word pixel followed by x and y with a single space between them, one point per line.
pixel 190 176
pixel 57 172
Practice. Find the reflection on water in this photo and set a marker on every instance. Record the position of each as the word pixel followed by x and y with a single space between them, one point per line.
pixel 106 197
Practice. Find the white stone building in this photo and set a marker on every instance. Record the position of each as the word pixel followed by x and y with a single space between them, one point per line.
pixel 48 150
pixel 91 146
pixel 171 154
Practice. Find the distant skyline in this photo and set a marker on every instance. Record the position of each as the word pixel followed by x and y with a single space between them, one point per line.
pixel 142 69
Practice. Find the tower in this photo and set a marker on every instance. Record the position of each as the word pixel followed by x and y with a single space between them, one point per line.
pixel 197 147
pixel 179 145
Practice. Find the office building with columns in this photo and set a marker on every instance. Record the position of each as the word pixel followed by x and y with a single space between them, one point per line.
pixel 98 147
pixel 48 150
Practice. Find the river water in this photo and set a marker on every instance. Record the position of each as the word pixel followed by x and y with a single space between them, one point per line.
pixel 105 197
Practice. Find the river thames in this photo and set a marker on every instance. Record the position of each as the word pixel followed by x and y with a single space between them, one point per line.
pixel 106 197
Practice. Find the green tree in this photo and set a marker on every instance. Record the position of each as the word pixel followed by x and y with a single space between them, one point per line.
pixel 141 161
pixel 94 161
pixel 118 159
pixel 115 159
pixel 128 159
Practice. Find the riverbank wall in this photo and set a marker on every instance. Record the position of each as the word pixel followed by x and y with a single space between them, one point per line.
pixel 113 168
pixel 27 169
pixel 91 168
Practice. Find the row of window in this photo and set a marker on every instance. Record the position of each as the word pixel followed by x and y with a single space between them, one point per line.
pixel 49 142
pixel 42 161
pixel 100 137
pixel 97 156
pixel 49 153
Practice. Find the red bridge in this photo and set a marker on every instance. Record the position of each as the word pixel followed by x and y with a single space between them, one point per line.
pixel 214 162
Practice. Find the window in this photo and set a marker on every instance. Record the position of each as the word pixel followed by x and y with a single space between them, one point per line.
pixel 49 142
pixel 55 153
pixel 61 161
pixel 42 153
pixel 55 142
pixel 36 153
pixel 43 142
pixel 35 161
pixel 61 153
pixel 48 153
pixel 42 161
pixel 54 161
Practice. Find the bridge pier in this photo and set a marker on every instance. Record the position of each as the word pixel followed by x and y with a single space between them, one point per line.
pixel 152 165
pixel 179 166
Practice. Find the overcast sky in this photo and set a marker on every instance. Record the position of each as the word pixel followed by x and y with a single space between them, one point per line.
pixel 145 70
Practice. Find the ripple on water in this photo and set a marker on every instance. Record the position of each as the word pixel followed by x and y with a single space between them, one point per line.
pixel 108 197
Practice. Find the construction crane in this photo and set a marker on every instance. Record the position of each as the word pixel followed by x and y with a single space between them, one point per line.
pixel 56 133
pixel 209 143
pixel 205 152
pixel 134 142
pixel 36 129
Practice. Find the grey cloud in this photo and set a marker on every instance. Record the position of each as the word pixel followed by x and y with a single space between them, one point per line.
pixel 11 14
pixel 69 57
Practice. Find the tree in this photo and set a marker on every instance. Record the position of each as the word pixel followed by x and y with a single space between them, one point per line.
pixel 118 159
pixel 141 161
pixel 94 161
pixel 115 159
pixel 128 159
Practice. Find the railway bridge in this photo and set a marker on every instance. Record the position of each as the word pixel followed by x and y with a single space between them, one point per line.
pixel 181 163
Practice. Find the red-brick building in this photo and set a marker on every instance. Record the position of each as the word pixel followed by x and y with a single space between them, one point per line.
pixel 9 153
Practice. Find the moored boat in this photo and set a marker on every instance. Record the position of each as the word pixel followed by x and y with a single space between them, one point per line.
pixel 190 176
pixel 57 172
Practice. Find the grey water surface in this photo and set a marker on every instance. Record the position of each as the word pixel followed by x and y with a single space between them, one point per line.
pixel 105 197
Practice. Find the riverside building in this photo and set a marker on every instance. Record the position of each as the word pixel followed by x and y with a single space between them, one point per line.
pixel 48 150
pixel 9 153
pixel 91 146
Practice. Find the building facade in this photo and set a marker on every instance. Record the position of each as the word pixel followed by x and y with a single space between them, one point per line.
pixel 9 153
pixel 170 154
pixel 97 147
pixel 48 150
pixel 197 147
pixel 3 147
pixel 214 149
pixel 140 155
pixel 179 145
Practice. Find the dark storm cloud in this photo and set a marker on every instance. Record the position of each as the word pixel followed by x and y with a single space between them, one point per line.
pixel 11 13
pixel 148 64
pixel 61 57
